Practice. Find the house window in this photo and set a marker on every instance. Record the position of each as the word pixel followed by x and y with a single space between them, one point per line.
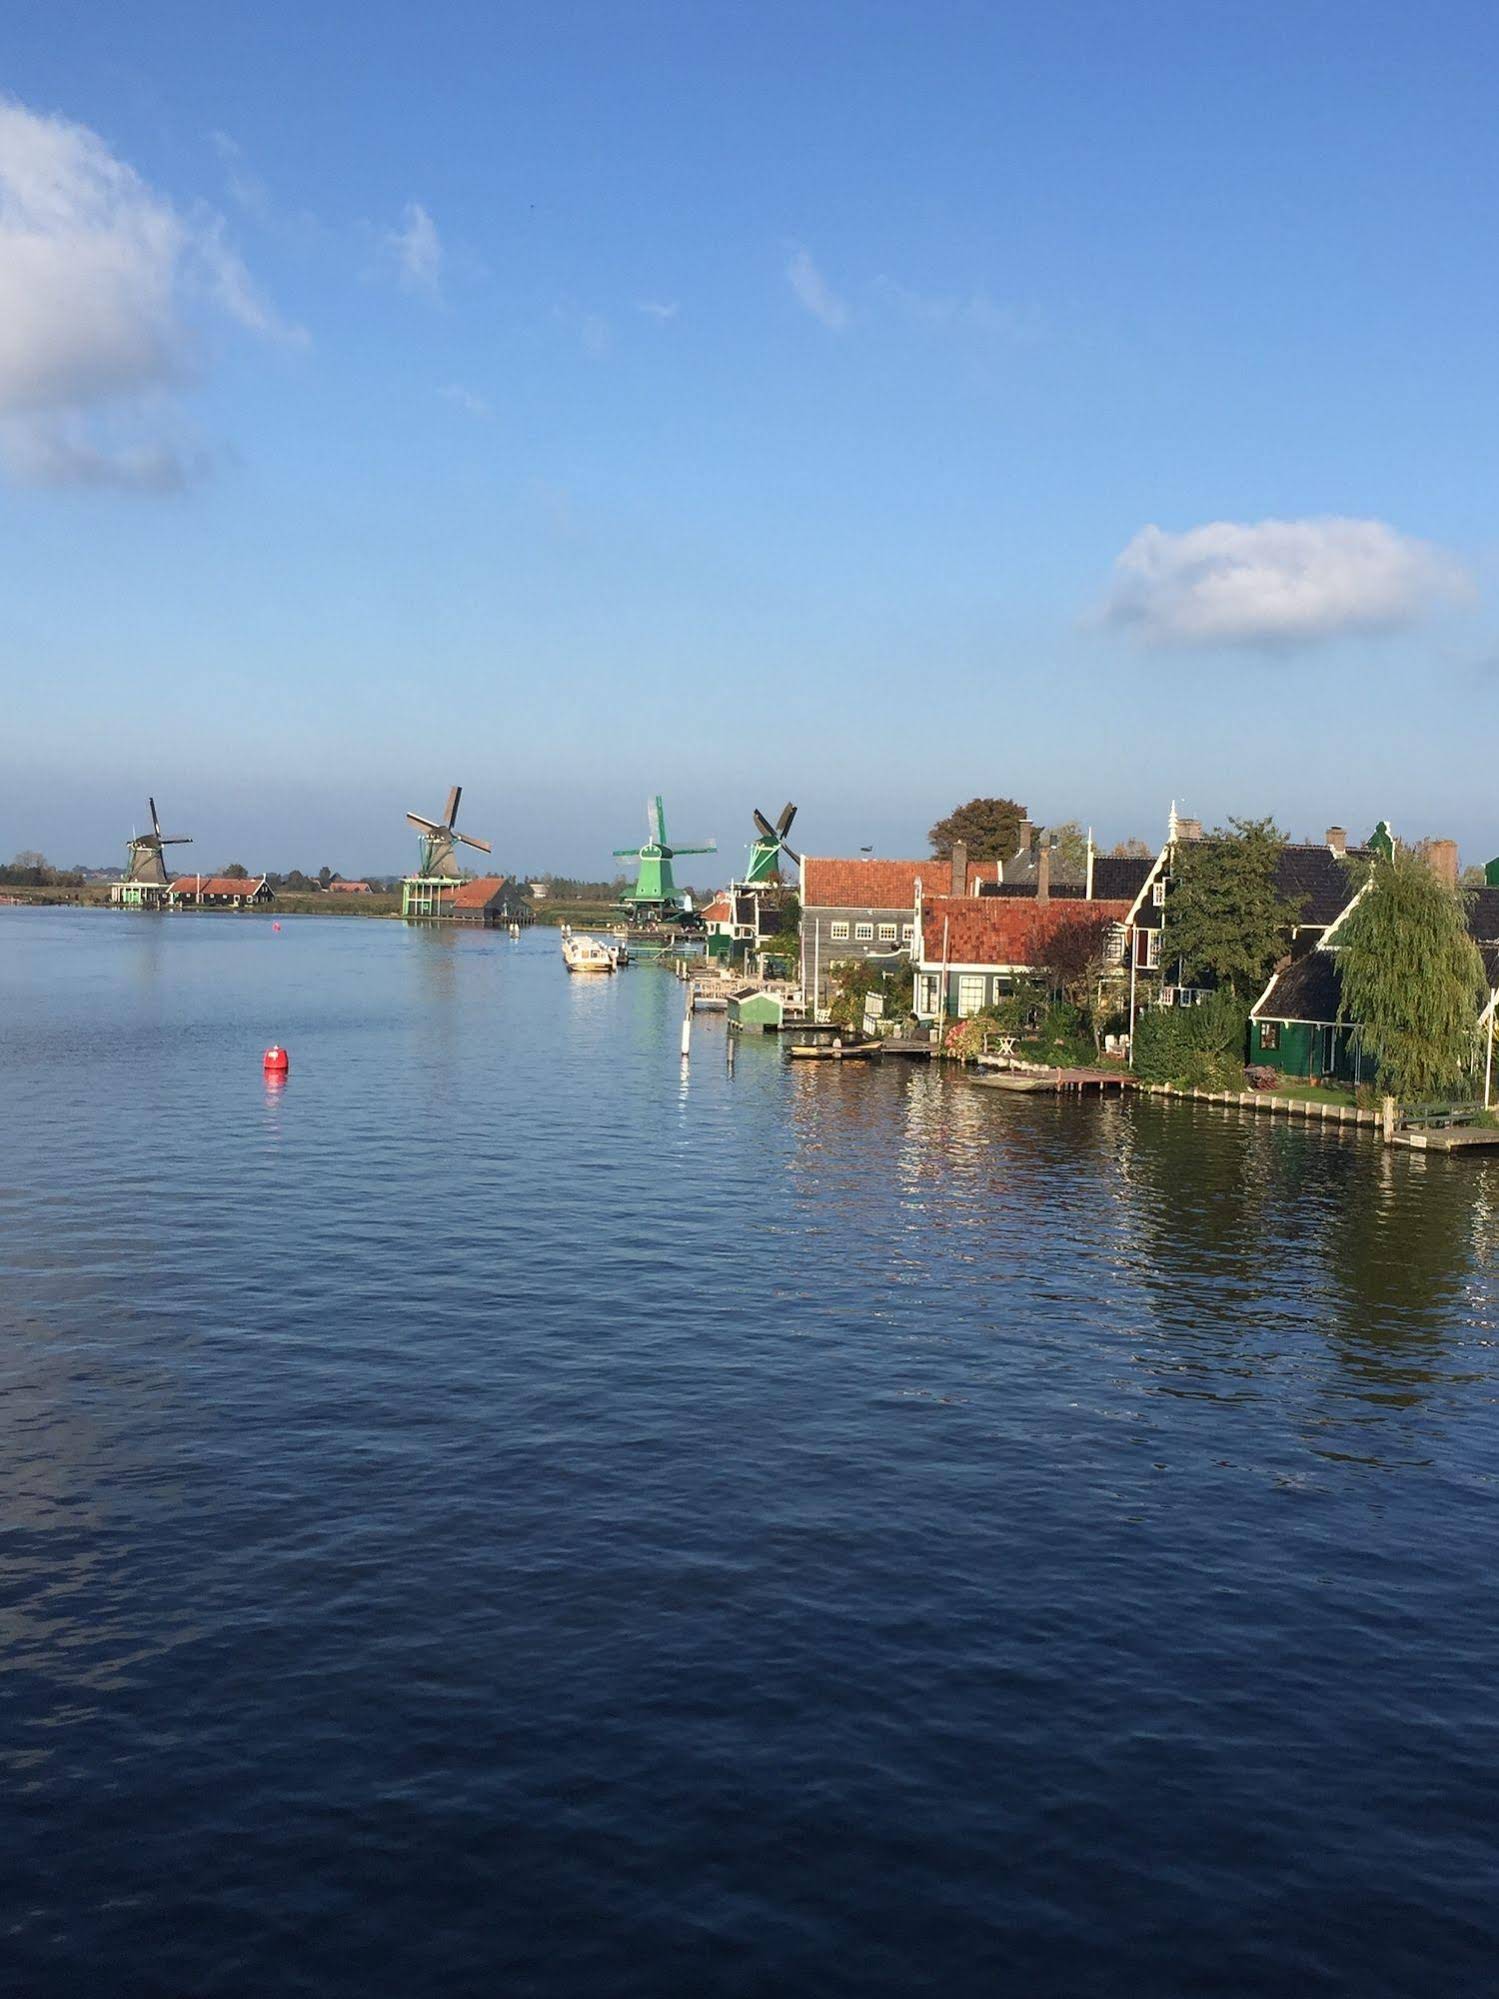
pixel 888 933
pixel 863 933
pixel 1158 892
pixel 1269 1036
pixel 926 994
pixel 908 933
pixel 1148 950
pixel 972 987
pixel 838 932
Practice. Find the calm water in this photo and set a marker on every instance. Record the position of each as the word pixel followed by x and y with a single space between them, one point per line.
pixel 501 1515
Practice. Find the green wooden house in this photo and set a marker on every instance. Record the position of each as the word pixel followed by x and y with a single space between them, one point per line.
pixel 1294 1025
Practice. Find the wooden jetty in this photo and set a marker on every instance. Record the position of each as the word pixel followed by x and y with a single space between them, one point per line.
pixel 1031 1080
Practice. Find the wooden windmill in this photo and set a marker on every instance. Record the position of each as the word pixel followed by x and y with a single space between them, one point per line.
pixel 146 881
pixel 439 841
pixel 427 891
pixel 768 846
pixel 653 897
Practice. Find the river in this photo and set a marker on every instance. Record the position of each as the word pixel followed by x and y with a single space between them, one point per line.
pixel 508 1512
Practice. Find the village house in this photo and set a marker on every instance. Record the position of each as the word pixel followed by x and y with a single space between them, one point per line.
pixel 1310 876
pixel 973 951
pixel 1294 1026
pixel 221 892
pixel 490 900
pixel 337 887
pixel 866 909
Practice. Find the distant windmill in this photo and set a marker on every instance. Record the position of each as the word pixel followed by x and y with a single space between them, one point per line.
pixel 439 841
pixel 654 895
pixel 146 880
pixel 768 846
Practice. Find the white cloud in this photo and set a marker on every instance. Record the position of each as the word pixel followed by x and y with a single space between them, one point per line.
pixel 416 249
pixel 658 309
pixel 98 278
pixel 465 399
pixel 814 292
pixel 1277 582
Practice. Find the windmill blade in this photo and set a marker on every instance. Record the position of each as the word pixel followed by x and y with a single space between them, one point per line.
pixel 424 825
pixel 783 824
pixel 655 819
pixel 627 853
pixel 173 840
pixel 791 854
pixel 764 824
pixel 155 822
pixel 450 812
pixel 483 845
pixel 710 848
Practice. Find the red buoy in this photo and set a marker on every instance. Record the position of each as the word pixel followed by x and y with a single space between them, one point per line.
pixel 276 1061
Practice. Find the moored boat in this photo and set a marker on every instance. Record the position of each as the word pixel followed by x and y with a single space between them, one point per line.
pixel 587 954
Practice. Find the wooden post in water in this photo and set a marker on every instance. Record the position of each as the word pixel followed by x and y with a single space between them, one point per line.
pixel 1387 1118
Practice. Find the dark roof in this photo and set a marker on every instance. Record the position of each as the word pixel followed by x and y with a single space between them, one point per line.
pixel 1120 877
pixel 1490 956
pixel 1307 989
pixel 1315 880
pixel 1483 914
pixel 1061 891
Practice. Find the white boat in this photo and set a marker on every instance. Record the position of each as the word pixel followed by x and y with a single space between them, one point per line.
pixel 587 954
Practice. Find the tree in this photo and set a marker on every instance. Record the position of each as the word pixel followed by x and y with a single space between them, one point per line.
pixel 1226 922
pixel 1412 978
pixel 1075 957
pixel 324 875
pixel 236 871
pixel 1070 861
pixel 1131 850
pixel 988 827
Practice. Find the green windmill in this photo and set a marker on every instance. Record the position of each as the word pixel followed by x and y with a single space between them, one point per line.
pixel 653 896
pixel 769 844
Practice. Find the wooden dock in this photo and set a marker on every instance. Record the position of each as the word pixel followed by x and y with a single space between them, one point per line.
pixel 1032 1080
pixel 1451 1138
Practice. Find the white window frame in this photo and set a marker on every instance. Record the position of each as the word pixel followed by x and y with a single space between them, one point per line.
pixel 908 933
pixel 971 1001
pixel 889 932
pixel 838 931
pixel 1151 962
pixel 1158 891
pixel 863 933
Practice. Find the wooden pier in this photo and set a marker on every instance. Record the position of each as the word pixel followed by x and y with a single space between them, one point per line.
pixel 1034 1080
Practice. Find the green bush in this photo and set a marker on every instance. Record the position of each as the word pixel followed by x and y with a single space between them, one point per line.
pixel 1189 1045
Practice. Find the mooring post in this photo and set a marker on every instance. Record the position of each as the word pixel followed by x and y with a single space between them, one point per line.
pixel 1387 1118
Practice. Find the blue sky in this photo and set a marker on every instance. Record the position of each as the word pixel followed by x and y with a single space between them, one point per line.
pixel 745 402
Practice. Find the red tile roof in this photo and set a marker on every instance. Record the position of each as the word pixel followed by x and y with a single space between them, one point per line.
pixel 718 911
pixel 216 885
pixel 350 888
pixel 1003 930
pixel 828 884
pixel 480 893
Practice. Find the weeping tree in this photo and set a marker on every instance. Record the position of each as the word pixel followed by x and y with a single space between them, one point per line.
pixel 1412 978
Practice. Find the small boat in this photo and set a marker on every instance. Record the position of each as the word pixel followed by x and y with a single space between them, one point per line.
pixel 838 1051
pixel 587 954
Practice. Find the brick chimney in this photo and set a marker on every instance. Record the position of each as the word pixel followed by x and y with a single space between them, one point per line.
pixel 1043 876
pixel 959 868
pixel 1441 858
pixel 1025 833
pixel 1337 841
